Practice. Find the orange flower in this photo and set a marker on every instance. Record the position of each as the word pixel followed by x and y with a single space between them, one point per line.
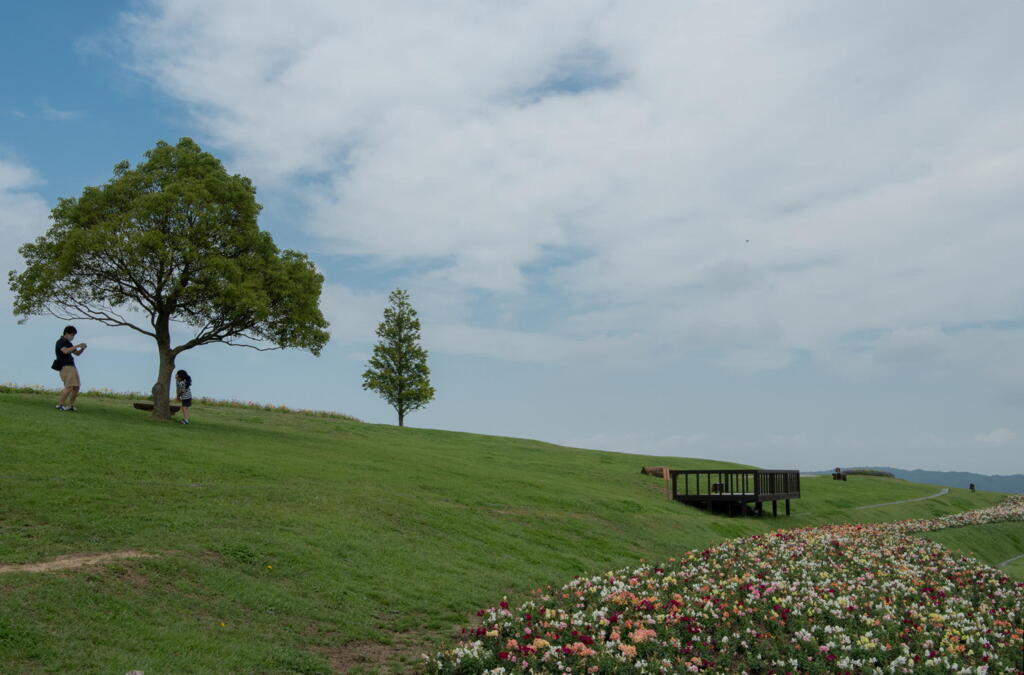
pixel 642 634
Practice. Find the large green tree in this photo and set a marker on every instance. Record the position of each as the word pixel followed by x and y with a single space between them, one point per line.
pixel 174 240
pixel 398 368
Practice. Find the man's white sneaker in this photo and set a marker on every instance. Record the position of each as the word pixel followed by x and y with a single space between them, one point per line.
pixel 60 408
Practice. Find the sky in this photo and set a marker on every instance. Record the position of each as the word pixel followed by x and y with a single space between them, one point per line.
pixel 785 234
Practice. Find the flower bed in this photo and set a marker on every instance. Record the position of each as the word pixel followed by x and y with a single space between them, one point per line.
pixel 854 598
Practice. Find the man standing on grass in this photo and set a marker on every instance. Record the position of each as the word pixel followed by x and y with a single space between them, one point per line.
pixel 68 372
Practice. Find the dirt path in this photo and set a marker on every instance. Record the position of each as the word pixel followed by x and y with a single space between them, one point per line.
pixel 903 501
pixel 73 560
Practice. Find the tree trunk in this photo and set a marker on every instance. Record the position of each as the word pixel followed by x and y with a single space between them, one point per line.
pixel 162 388
pixel 400 408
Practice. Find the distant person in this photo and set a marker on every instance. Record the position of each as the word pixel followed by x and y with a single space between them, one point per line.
pixel 65 351
pixel 972 487
pixel 184 385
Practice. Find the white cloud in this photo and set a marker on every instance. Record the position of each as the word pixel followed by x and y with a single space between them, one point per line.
pixel 24 216
pixel 126 340
pixel 15 177
pixel 996 437
pixel 519 346
pixel 353 315
pixel 45 111
pixel 754 183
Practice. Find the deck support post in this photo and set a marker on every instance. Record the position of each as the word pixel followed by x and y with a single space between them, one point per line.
pixel 775 509
pixel 787 507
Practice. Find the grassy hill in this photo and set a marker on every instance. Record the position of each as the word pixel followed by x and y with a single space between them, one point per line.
pixel 992 544
pixel 285 542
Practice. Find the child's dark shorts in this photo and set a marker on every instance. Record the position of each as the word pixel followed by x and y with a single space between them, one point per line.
pixel 186 403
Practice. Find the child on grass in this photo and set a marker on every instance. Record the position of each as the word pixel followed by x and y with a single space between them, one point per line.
pixel 184 383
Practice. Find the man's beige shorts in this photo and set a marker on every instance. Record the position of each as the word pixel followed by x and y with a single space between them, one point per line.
pixel 69 376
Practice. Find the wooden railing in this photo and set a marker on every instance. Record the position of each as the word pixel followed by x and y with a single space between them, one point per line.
pixel 778 484
pixel 735 484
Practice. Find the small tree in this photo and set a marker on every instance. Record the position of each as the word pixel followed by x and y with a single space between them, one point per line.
pixel 173 240
pixel 398 368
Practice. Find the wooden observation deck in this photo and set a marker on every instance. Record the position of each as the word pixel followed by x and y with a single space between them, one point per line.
pixel 728 490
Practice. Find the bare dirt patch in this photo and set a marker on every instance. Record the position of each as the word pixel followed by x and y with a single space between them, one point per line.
pixel 74 560
pixel 359 654
pixel 402 652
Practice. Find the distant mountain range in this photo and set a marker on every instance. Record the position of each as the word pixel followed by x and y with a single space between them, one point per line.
pixel 959 479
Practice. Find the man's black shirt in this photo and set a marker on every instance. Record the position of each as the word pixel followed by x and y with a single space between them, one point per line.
pixel 62 358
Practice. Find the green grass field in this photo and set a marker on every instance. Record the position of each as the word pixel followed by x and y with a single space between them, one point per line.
pixel 286 542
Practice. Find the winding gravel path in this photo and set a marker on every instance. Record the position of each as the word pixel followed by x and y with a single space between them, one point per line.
pixel 903 501
pixel 1007 562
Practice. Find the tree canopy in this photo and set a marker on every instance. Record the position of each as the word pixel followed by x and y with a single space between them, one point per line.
pixel 173 240
pixel 398 368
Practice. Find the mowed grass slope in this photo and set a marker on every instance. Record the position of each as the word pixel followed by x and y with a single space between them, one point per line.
pixel 284 539
pixel 992 544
